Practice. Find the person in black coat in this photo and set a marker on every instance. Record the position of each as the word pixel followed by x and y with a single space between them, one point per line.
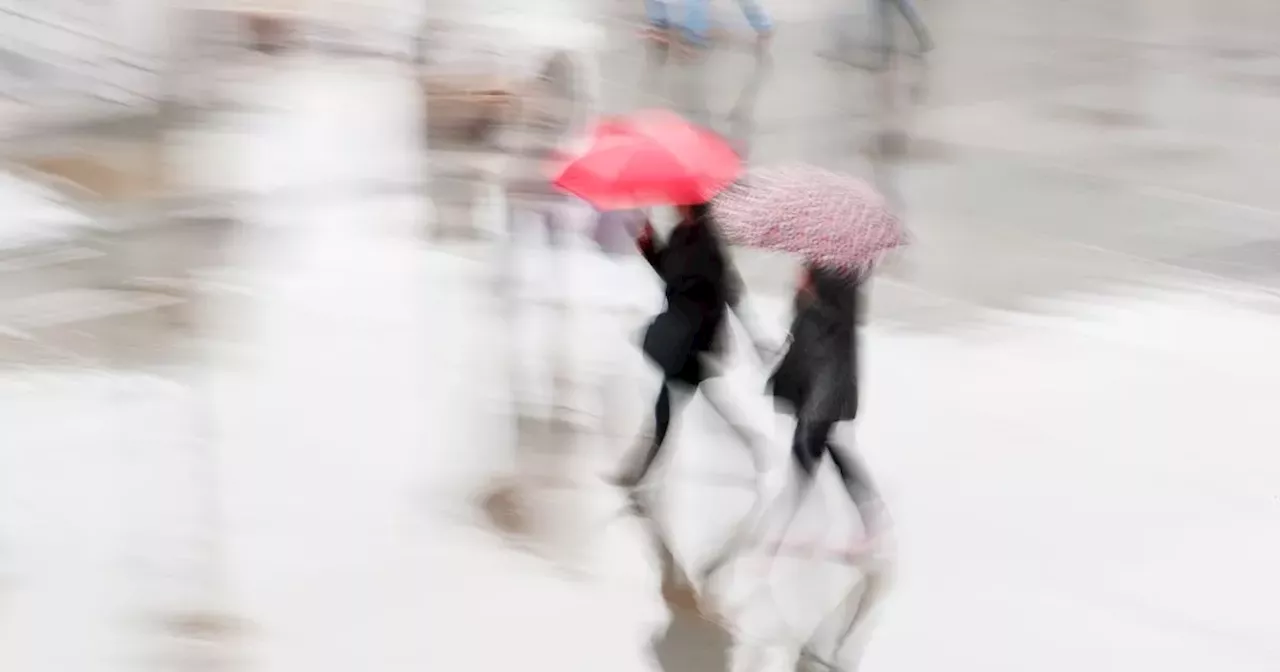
pixel 701 287
pixel 818 379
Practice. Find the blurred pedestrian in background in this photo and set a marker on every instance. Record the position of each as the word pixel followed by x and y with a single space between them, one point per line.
pixel 694 22
pixel 546 243
pixel 880 43
pixel 882 15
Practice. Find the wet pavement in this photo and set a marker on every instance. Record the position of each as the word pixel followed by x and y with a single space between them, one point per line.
pixel 282 414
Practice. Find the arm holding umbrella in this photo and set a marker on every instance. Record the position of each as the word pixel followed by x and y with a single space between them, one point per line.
pixel 648 247
pixel 765 346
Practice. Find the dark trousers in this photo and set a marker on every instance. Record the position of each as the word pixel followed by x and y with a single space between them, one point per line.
pixel 661 425
pixel 812 439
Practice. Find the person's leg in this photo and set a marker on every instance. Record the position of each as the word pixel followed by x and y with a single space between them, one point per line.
pixel 878 570
pixel 854 475
pixel 662 411
pixel 756 16
pixel 759 525
pixel 695 23
pixel 656 12
pixel 661 423
pixel 909 12
pixel 882 20
pixel 806 454
pixel 719 396
pixel 808 445
pixel 861 489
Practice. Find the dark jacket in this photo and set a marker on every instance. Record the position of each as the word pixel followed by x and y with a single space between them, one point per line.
pixel 701 286
pixel 818 376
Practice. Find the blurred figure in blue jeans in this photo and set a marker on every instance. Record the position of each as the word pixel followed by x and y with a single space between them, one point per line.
pixel 694 26
pixel 882 11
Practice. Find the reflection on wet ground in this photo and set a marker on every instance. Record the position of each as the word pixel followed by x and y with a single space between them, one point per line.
pixel 253 425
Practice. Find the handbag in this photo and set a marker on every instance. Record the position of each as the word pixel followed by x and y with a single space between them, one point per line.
pixel 668 341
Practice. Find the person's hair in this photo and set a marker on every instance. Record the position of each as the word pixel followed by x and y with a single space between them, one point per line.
pixel 701 212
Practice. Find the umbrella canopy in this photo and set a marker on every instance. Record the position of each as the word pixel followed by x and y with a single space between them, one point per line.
pixel 651 158
pixel 832 220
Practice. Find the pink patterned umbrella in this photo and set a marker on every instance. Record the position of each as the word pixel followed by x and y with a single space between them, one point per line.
pixel 832 220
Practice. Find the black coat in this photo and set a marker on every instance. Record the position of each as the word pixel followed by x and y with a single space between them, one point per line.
pixel 701 287
pixel 818 376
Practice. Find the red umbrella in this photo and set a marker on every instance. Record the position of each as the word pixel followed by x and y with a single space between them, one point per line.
pixel 651 158
pixel 830 219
